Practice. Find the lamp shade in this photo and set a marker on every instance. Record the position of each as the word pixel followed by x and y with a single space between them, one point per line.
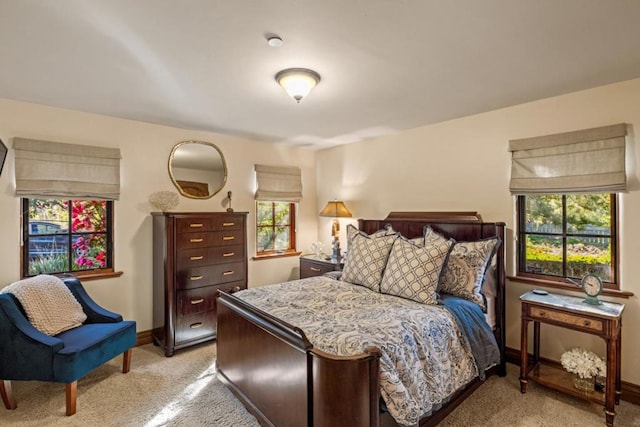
pixel 336 209
pixel 297 82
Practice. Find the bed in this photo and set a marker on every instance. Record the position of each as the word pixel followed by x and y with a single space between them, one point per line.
pixel 288 375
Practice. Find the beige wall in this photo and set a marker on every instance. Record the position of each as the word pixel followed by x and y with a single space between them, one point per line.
pixel 464 165
pixel 145 150
pixel 456 165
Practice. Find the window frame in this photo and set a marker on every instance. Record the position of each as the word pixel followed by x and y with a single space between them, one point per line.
pixel 561 281
pixel 108 271
pixel 292 251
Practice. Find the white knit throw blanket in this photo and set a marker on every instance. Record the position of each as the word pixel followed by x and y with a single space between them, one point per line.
pixel 50 306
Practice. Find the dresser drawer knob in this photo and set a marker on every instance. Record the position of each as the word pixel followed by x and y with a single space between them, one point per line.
pixel 314 269
pixel 543 313
pixel 196 225
pixel 197 301
pixel 228 254
pixel 228 224
pixel 228 273
pixel 195 325
pixel 228 237
pixel 195 278
pixel 196 240
pixel 196 258
pixel 586 323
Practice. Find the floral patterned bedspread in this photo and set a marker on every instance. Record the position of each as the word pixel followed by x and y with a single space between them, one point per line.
pixel 424 357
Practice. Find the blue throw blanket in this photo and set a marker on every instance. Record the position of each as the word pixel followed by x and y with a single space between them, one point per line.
pixel 475 330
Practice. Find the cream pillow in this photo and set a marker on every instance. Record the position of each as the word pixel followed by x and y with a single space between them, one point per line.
pixel 352 232
pixel 367 259
pixel 49 304
pixel 413 270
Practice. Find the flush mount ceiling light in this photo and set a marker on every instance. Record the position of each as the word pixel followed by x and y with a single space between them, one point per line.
pixel 297 82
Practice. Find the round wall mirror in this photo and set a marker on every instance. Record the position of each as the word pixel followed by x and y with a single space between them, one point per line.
pixel 197 169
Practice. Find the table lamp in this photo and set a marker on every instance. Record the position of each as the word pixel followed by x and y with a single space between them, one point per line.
pixel 335 210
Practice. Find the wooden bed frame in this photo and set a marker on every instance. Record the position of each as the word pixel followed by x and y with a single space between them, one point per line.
pixel 283 381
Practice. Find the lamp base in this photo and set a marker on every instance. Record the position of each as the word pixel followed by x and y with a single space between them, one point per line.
pixel 335 253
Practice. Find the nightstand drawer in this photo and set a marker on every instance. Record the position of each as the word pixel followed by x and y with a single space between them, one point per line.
pixel 315 267
pixel 566 318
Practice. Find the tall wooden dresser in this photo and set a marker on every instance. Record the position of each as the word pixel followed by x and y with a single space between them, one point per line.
pixel 194 255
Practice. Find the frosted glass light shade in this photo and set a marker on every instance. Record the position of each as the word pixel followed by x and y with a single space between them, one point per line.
pixel 297 82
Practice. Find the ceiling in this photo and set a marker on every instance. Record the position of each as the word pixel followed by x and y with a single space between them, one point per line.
pixel 386 65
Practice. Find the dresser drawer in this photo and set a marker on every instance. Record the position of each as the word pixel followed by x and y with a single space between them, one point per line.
pixel 210 238
pixel 193 225
pixel 189 258
pixel 194 301
pixel 220 222
pixel 226 222
pixel 195 326
pixel 566 318
pixel 199 277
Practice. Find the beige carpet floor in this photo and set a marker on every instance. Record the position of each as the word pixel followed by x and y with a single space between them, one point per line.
pixel 183 391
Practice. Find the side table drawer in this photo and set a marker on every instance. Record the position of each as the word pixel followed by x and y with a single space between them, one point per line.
pixel 566 318
pixel 310 268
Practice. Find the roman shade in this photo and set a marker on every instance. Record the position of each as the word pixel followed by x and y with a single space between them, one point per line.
pixel 58 170
pixel 278 183
pixel 585 161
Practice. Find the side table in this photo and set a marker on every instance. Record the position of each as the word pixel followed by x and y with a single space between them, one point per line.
pixel 312 265
pixel 570 312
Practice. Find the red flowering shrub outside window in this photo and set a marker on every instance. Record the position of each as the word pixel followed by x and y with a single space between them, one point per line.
pixel 66 236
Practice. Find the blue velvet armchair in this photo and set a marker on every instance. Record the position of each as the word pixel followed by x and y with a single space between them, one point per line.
pixel 27 354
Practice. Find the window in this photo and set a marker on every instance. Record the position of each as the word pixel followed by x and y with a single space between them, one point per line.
pixel 275 227
pixel 564 236
pixel 66 236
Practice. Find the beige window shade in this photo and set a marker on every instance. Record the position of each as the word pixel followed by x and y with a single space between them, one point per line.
pixel 585 161
pixel 57 170
pixel 279 183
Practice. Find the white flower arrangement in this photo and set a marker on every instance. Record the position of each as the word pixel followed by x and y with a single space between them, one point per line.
pixel 584 363
pixel 164 200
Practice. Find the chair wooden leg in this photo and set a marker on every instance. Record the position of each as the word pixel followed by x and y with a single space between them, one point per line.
pixel 71 390
pixel 126 361
pixel 7 394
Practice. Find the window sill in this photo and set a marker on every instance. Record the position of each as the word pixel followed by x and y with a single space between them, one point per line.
pixel 86 277
pixel 276 255
pixel 556 285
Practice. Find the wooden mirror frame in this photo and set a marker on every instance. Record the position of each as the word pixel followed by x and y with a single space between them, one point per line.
pixel 196 189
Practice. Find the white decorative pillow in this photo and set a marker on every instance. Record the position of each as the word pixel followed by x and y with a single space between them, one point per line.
pixel 413 270
pixel 49 304
pixel 465 270
pixel 367 260
pixel 352 232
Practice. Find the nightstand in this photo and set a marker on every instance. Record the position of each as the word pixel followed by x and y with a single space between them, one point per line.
pixel 570 312
pixel 311 265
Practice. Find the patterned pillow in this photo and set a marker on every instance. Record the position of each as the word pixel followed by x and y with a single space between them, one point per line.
pixel 431 237
pixel 352 232
pixel 466 267
pixel 413 270
pixel 367 260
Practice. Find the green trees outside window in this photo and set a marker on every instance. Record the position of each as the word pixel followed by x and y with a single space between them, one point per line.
pixel 567 235
pixel 61 236
pixel 275 227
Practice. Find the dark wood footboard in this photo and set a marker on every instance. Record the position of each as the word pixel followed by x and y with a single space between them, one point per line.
pixel 273 369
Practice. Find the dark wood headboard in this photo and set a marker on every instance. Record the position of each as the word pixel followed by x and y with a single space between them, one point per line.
pixel 463 227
